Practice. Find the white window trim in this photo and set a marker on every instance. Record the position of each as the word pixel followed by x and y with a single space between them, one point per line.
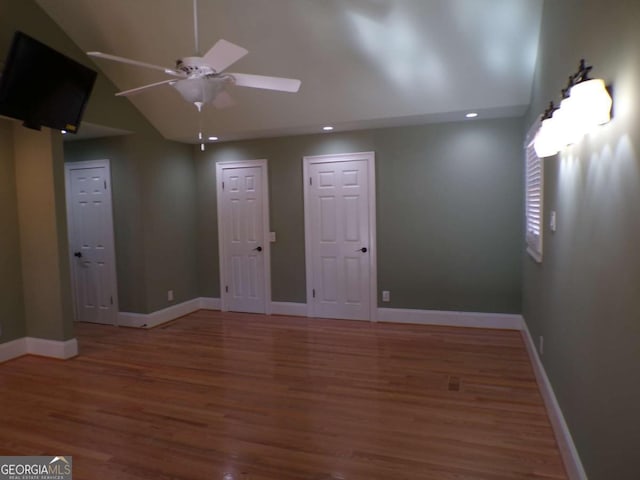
pixel 534 196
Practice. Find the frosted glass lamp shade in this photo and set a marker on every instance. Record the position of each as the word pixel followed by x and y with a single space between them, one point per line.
pixel 546 143
pixel 203 90
pixel 593 101
pixel 569 123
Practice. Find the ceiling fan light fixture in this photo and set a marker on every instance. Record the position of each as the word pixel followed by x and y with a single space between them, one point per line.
pixel 199 90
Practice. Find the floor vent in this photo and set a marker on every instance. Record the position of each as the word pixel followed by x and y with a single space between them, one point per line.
pixel 454 384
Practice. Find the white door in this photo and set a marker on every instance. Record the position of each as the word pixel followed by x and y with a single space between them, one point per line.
pixel 340 218
pixel 90 224
pixel 243 227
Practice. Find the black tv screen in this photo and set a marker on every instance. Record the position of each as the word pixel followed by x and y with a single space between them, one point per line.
pixel 43 87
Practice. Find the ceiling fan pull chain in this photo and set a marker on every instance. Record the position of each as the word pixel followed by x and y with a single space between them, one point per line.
pixel 199 106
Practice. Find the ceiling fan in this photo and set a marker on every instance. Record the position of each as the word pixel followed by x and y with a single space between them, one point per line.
pixel 202 79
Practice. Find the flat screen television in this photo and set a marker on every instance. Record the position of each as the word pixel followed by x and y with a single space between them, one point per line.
pixel 43 87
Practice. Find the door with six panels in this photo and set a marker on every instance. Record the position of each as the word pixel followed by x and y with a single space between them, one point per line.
pixel 339 240
pixel 243 217
pixel 91 241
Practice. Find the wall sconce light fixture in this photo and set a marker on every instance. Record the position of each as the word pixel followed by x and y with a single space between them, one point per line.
pixel 585 104
pixel 547 141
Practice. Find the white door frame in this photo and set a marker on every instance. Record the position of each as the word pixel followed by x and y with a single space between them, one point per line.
pixel 68 166
pixel 220 166
pixel 373 263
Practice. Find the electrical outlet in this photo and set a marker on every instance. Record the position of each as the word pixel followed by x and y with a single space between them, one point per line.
pixel 553 223
pixel 170 295
pixel 541 345
pixel 386 296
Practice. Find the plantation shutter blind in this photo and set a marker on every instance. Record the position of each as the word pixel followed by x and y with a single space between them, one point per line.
pixel 533 202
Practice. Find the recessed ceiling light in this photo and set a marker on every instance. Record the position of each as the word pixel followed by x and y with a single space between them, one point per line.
pixel 471 115
pixel 64 132
pixel 328 128
pixel 202 147
pixel 213 139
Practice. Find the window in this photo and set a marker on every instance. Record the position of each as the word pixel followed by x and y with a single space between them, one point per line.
pixel 534 178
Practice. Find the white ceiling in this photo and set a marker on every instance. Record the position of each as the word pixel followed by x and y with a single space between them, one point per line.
pixel 363 63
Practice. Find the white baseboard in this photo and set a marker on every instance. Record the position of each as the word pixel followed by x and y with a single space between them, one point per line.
pixel 13 349
pixel 38 346
pixel 153 319
pixel 52 348
pixel 394 315
pixel 129 319
pixel 149 320
pixel 451 319
pixel 209 303
pixel 568 450
pixel 277 308
pixel 289 308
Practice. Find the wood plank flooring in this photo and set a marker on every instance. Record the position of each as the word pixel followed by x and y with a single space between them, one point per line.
pixel 247 397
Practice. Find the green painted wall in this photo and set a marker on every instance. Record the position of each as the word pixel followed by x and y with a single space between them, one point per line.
pixel 39 177
pixel 584 297
pixel 169 214
pixel 11 298
pixel 449 212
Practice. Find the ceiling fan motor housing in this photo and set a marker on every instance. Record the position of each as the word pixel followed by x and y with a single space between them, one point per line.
pixel 194 67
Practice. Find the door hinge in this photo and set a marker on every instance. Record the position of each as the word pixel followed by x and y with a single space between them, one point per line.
pixel 310 181
pixel 105 184
pixel 226 289
pixel 112 300
pixel 313 292
pixel 223 185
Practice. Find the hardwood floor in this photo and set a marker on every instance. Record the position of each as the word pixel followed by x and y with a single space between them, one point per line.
pixel 247 397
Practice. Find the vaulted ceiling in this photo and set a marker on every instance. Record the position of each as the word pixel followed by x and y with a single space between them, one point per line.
pixel 363 63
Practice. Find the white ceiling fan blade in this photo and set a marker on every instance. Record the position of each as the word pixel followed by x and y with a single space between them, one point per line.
pixel 168 71
pixel 223 54
pixel 223 100
pixel 133 91
pixel 270 83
